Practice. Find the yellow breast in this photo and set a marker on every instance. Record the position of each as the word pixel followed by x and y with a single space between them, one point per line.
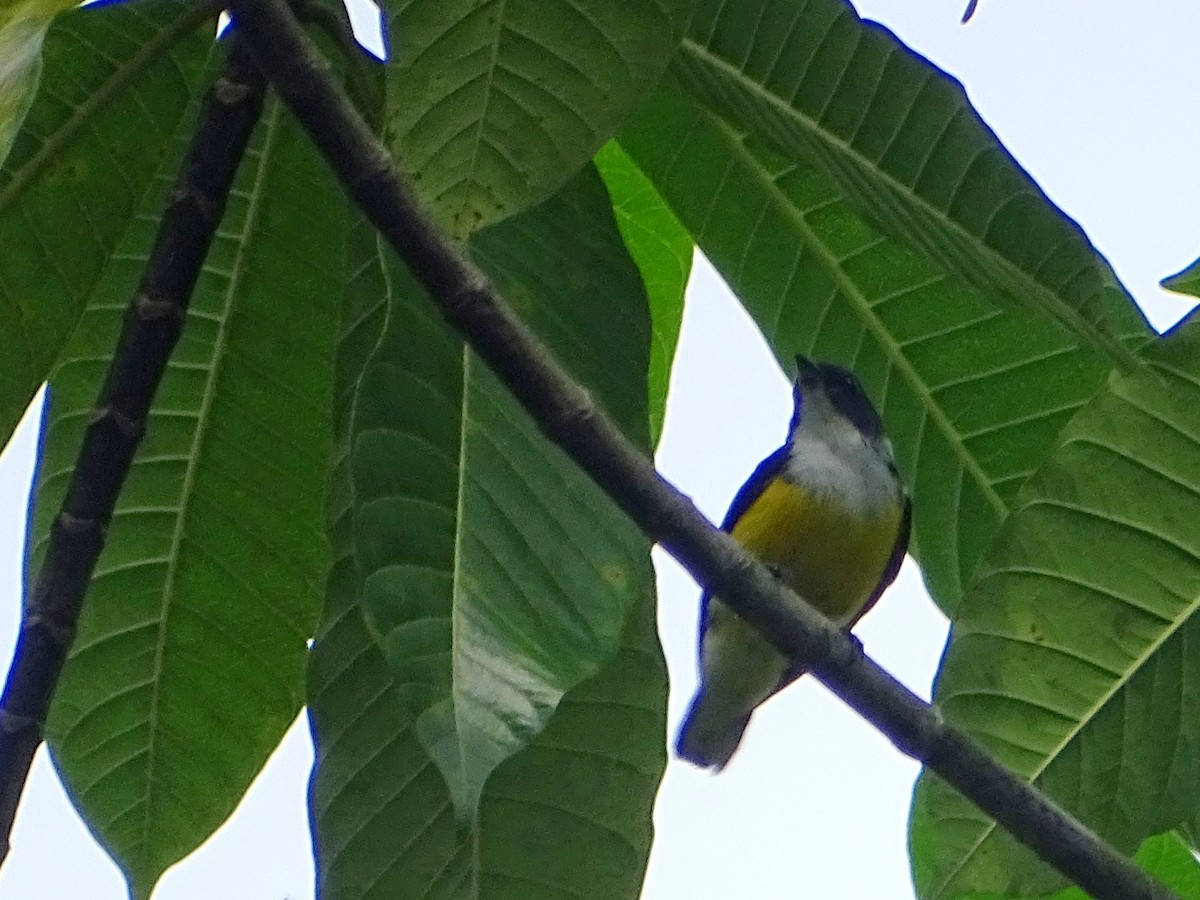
pixel 829 557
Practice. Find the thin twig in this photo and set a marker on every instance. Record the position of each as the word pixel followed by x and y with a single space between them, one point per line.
pixel 149 332
pixel 567 415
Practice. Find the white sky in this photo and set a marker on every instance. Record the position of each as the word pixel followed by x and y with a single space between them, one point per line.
pixel 1099 100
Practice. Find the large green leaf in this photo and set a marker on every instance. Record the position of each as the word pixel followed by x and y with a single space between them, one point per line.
pixel 494 574
pixel 1076 656
pixel 503 552
pixel 662 249
pixel 188 665
pixel 972 391
pixel 494 105
pixel 116 83
pixel 899 139
pixel 570 816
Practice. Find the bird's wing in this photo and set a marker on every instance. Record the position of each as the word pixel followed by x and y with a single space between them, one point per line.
pixel 742 501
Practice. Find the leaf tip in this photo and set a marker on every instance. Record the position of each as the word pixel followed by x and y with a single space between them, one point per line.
pixel 1185 281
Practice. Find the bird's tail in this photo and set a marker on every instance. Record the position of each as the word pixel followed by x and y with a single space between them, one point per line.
pixel 710 734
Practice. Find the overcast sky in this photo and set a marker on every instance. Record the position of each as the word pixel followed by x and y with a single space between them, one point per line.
pixel 1099 102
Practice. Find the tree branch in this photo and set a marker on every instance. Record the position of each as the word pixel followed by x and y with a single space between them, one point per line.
pixel 567 415
pixel 364 76
pixel 151 327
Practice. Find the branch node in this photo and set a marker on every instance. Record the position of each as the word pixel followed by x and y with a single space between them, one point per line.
pixel 376 171
pixel 581 411
pixel 465 297
pixel 923 740
pixel 77 526
pixel 62 633
pixel 228 91
pixel 151 310
pixel 13 723
pixel 128 427
pixel 186 192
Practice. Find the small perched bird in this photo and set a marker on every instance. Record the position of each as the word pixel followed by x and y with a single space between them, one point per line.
pixel 828 514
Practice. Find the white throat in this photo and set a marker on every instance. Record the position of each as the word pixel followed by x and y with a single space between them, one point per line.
pixel 831 458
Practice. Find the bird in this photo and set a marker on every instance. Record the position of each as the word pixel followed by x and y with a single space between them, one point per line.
pixel 829 515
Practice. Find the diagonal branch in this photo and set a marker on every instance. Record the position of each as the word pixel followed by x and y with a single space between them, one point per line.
pixel 149 332
pixel 568 416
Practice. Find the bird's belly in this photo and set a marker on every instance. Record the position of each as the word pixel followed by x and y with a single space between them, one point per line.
pixel 831 557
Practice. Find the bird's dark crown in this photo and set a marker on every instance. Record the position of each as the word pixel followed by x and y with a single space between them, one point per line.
pixel 844 391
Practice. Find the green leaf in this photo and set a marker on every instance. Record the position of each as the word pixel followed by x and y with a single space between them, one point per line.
pixel 187 668
pixel 23 27
pixel 116 84
pixel 495 575
pixel 973 391
pixel 1167 858
pixel 662 249
pixel 570 814
pixel 899 139
pixel 535 88
pixel 1164 856
pixel 1076 650
pixel 1185 282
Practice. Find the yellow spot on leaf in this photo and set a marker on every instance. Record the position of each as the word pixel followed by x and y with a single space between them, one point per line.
pixel 615 575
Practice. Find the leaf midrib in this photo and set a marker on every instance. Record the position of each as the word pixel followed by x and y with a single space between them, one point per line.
pixel 455 598
pixel 849 288
pixel 255 197
pixel 1106 344
pixel 493 63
